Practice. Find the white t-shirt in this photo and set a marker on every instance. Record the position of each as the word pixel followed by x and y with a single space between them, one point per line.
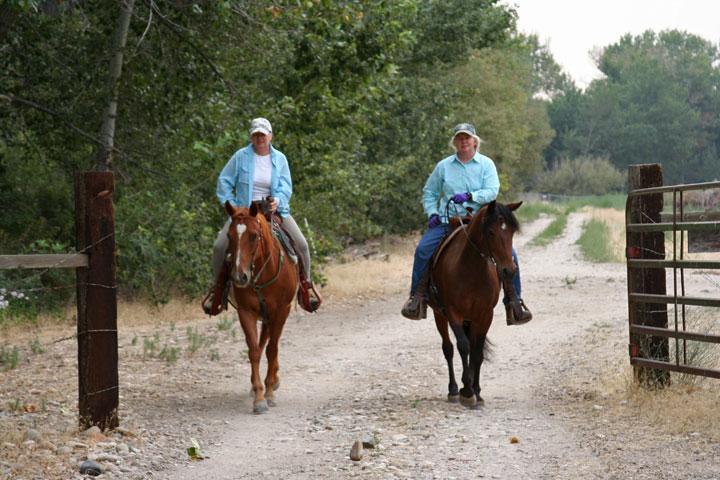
pixel 263 173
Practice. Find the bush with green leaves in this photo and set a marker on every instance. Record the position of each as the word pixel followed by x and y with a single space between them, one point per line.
pixel 582 176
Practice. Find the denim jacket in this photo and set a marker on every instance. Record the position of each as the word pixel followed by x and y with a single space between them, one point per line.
pixel 235 182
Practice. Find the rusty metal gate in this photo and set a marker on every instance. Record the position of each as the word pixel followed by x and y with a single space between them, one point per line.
pixel 686 219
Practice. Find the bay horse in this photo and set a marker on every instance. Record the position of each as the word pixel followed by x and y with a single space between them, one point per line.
pixel 264 284
pixel 465 287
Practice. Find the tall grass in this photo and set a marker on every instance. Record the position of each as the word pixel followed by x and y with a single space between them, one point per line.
pixel 595 242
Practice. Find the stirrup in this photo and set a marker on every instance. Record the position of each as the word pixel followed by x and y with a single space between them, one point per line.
pixel 307 302
pixel 216 299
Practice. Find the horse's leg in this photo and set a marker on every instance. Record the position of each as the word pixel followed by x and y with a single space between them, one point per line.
pixel 248 322
pixel 467 396
pixel 441 323
pixel 477 356
pixel 272 381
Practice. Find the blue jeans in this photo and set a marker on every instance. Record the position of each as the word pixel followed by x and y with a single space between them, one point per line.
pixel 426 247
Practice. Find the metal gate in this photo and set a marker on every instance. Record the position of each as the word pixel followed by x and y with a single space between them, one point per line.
pixel 692 218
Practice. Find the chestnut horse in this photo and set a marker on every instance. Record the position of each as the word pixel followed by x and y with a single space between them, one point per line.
pixel 264 284
pixel 465 287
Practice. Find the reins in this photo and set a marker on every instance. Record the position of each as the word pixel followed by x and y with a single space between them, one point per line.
pixel 255 278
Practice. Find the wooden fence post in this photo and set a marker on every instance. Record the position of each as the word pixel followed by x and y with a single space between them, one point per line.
pixel 97 301
pixel 647 245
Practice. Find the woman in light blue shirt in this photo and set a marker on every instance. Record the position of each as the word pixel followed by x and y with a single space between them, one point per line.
pixel 464 179
pixel 256 173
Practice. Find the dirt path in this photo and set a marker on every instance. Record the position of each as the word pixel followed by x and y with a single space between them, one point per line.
pixel 359 372
pixel 350 375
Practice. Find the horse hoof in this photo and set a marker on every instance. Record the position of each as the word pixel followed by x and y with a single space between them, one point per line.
pixel 453 398
pixel 468 401
pixel 260 407
pixel 271 402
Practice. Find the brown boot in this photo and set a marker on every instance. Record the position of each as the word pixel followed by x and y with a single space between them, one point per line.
pixel 517 313
pixel 415 308
pixel 217 298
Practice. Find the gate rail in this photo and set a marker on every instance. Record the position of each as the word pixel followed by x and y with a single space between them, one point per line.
pixel 676 222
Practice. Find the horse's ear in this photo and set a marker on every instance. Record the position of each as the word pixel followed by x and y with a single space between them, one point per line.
pixel 514 206
pixel 229 208
pixel 253 209
pixel 491 206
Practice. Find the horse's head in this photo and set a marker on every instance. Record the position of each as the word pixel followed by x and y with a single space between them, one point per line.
pixel 498 227
pixel 246 233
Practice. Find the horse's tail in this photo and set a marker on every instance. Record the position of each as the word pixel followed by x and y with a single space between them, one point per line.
pixel 488 350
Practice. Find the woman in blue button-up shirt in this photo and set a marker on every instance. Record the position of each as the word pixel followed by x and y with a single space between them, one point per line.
pixel 469 179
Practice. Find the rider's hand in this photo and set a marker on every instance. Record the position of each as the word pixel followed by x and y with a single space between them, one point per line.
pixel 434 220
pixel 462 197
pixel 272 204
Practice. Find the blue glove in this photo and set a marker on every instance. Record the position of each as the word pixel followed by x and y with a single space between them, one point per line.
pixel 434 220
pixel 462 197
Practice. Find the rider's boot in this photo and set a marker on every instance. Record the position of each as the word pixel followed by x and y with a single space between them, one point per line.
pixel 415 308
pixel 516 312
pixel 216 299
pixel 308 297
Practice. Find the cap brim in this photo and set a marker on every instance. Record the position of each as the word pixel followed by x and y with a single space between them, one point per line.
pixel 264 131
pixel 463 131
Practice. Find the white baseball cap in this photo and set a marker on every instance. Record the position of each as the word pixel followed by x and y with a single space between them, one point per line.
pixel 261 125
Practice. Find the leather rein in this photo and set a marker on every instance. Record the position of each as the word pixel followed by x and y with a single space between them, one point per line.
pixel 255 277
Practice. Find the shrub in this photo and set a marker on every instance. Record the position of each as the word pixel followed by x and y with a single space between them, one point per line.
pixel 582 176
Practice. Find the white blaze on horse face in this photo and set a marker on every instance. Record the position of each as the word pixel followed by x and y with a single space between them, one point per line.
pixel 503 226
pixel 240 229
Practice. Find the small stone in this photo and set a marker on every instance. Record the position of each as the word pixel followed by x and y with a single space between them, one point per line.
pixel 64 450
pixel 369 441
pixel 356 452
pixel 90 467
pixel 123 449
pixel 108 457
pixel 33 435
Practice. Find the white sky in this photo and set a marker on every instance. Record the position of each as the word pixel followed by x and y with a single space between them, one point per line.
pixel 572 28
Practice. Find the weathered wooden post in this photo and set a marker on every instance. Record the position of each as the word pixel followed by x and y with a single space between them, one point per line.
pixel 647 245
pixel 97 301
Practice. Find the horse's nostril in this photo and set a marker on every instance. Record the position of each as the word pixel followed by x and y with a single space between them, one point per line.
pixel 243 278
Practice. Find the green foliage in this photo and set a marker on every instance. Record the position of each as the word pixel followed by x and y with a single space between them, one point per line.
pixel 582 176
pixel 361 95
pixel 659 103
pixel 595 242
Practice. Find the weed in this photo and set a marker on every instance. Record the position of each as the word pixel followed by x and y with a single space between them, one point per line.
pixel 214 355
pixel 36 347
pixel 134 341
pixel 197 340
pixel 225 323
pixel 169 354
pixel 150 345
pixel 16 405
pixel 554 230
pixel 9 358
pixel 570 281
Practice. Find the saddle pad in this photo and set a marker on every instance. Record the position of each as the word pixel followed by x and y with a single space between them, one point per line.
pixel 285 241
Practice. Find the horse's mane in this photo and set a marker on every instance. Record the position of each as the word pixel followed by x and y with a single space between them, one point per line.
pixel 500 210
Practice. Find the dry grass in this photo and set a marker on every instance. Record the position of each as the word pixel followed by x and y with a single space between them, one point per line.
pixel 375 269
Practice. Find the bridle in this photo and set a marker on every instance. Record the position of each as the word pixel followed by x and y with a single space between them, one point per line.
pixel 255 277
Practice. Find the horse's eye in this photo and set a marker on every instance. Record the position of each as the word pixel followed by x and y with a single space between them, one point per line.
pixel 253 236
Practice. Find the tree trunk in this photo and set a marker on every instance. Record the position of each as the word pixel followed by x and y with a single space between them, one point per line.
pixel 103 159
